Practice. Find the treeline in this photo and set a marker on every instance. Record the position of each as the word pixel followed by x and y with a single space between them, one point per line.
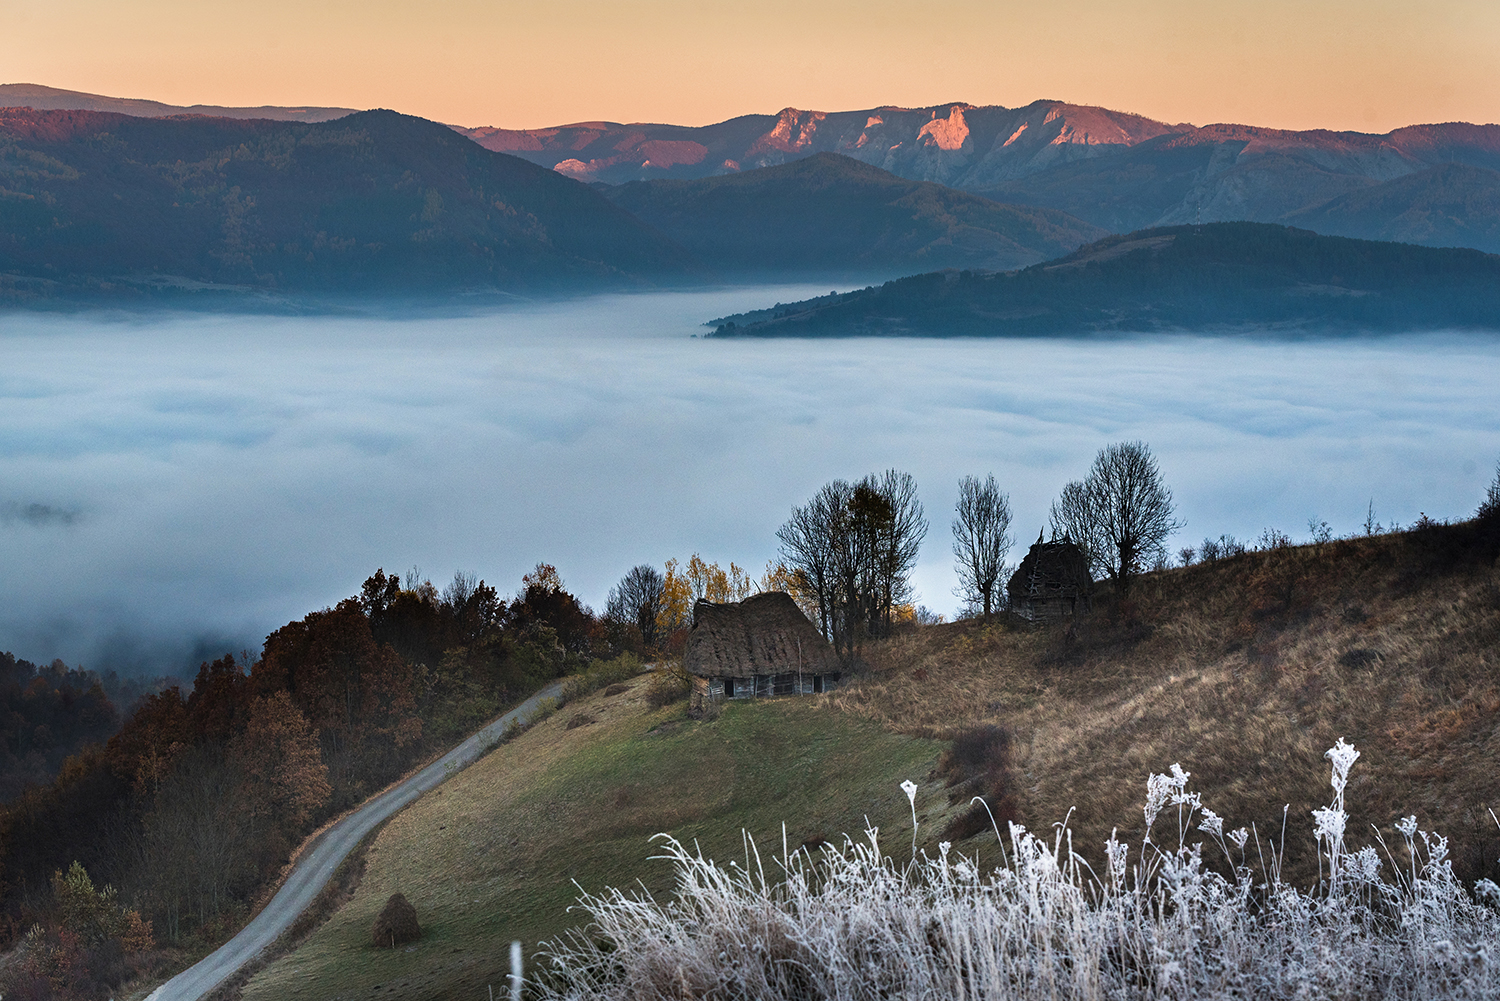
pixel 185 813
pixel 48 713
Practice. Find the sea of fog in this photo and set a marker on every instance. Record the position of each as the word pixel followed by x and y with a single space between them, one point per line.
pixel 175 487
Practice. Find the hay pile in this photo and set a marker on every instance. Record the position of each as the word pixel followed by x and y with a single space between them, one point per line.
pixel 397 923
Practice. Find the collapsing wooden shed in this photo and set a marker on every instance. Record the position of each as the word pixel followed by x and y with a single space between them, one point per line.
pixel 1053 582
pixel 761 646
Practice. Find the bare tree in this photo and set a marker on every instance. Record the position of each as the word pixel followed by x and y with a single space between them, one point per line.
pixel 807 544
pixel 981 540
pixel 1121 513
pixel 638 599
pixel 854 547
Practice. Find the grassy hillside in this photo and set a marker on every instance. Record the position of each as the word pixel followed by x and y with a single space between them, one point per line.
pixel 1245 671
pixel 829 214
pixel 1215 276
pixel 490 856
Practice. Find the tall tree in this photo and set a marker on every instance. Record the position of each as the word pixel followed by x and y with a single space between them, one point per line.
pixel 1121 513
pixel 807 541
pixel 981 540
pixel 637 600
pixel 854 545
pixel 278 757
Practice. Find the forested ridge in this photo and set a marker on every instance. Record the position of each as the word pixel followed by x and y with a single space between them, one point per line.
pixel 102 204
pixel 1215 276
pixel 48 713
pixel 154 843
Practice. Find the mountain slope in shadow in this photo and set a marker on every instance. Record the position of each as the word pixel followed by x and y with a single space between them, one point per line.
pixel 829 214
pixel 372 203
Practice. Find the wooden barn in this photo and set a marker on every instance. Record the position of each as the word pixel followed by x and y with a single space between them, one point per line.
pixel 1053 582
pixel 755 648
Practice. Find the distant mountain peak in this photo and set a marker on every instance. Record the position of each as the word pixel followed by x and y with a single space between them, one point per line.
pixel 32 95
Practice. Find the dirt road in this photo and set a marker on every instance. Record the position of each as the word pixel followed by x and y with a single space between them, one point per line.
pixel 315 868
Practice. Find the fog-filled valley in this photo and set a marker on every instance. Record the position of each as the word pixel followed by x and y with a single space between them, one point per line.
pixel 175 486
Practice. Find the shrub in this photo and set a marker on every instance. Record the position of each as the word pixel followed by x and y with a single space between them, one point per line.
pixel 977 765
pixel 397 923
pixel 669 683
pixel 600 674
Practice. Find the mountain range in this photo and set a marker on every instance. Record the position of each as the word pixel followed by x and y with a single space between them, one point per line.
pixel 1224 276
pixel 1114 170
pixel 325 198
pixel 39 98
pixel 373 202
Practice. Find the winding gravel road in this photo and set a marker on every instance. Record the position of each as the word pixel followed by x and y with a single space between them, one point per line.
pixel 315 868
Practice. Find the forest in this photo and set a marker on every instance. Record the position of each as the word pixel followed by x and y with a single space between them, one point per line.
pixel 157 840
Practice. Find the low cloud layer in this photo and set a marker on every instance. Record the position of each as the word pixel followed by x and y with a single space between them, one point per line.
pixel 175 488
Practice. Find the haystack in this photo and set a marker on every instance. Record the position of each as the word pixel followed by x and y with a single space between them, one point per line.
pixel 763 645
pixel 397 923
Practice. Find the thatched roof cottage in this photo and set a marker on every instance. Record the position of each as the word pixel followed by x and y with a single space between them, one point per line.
pixel 1053 582
pixel 761 646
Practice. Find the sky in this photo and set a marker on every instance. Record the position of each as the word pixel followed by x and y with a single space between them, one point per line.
pixel 1365 65
pixel 173 489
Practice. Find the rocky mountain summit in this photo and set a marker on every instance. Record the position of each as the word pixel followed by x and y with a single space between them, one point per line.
pixel 1118 171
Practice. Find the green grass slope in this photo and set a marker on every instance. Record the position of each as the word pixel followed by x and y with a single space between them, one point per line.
pixel 491 855
pixel 1215 276
pixel 374 202
pixel 832 214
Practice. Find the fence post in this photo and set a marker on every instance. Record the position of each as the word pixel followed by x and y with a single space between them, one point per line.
pixel 515 971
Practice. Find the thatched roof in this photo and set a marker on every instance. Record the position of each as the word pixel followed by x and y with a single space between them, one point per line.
pixel 1057 569
pixel 764 634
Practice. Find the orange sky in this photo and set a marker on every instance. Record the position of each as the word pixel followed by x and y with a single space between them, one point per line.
pixel 1371 65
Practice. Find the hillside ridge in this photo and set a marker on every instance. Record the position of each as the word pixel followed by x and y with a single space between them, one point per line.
pixel 1219 276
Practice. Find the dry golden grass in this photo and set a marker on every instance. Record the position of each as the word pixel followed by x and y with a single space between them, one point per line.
pixel 1245 671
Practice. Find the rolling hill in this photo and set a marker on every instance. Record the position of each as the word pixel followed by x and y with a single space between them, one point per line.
pixel 1227 276
pixel 1244 670
pixel 831 214
pixel 374 202
pixel 31 95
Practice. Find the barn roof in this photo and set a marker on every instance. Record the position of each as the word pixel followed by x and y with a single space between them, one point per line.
pixel 764 634
pixel 1051 570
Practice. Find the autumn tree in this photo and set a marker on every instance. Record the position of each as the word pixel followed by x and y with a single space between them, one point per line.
pixel 981 540
pixel 360 695
pixel 676 602
pixel 284 779
pixel 545 602
pixel 1120 514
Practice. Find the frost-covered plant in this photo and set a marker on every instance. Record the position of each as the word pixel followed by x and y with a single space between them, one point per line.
pixel 853 923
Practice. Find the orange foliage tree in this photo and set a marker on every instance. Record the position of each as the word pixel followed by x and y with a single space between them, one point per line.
pixel 285 779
